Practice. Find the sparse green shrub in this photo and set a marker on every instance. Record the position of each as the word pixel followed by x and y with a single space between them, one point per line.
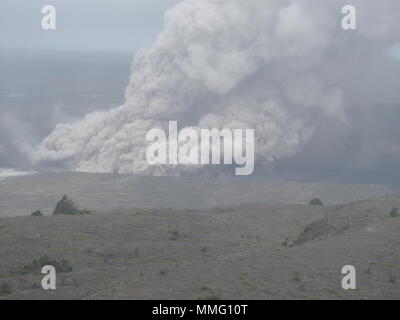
pixel 37 264
pixel 316 202
pixel 67 206
pixel 37 213
pixel 85 211
pixel 62 265
pixel 395 213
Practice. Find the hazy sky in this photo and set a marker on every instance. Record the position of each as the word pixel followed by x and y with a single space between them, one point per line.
pixel 116 25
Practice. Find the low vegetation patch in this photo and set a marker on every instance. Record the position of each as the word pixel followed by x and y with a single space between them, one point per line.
pixel 37 213
pixel 36 265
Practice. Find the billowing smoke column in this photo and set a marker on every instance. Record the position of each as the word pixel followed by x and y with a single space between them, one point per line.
pixel 268 65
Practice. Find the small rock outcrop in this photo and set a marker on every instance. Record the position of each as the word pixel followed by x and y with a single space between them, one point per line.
pixel 316 202
pixel 68 206
pixel 314 230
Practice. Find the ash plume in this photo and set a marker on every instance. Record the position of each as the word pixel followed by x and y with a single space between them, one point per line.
pixel 276 66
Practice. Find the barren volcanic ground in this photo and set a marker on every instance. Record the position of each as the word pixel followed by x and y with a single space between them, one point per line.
pixel 19 196
pixel 253 248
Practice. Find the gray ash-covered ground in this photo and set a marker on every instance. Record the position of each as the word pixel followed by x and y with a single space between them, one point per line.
pixel 19 196
pixel 253 250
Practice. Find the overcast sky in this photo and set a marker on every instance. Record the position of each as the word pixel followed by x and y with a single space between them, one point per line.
pixel 106 25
